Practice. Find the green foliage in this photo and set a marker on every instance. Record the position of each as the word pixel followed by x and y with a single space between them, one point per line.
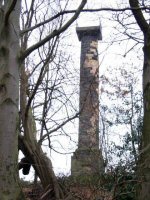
pixel 121 183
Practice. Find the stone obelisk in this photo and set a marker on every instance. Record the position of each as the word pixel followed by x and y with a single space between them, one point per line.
pixel 87 159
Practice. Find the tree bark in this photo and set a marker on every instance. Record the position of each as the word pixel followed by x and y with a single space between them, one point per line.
pixel 9 97
pixel 143 170
pixel 144 158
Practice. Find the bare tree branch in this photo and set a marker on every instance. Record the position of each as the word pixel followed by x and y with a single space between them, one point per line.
pixel 58 127
pixel 84 10
pixel 116 9
pixel 54 33
pixel 47 61
pixel 10 9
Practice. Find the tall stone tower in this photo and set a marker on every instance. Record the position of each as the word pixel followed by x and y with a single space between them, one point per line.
pixel 87 159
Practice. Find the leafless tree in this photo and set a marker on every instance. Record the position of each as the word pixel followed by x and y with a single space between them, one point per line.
pixel 41 42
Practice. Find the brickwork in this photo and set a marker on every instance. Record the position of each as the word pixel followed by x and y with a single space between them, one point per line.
pixel 88 158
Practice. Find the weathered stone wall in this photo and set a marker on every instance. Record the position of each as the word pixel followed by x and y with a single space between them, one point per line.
pixel 88 158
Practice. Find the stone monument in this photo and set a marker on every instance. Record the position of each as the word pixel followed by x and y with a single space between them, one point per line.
pixel 87 159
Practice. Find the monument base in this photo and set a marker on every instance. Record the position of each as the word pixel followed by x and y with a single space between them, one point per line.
pixel 87 162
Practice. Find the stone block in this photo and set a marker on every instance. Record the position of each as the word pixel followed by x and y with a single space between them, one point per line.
pixel 87 162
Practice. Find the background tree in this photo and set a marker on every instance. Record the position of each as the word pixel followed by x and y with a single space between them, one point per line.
pixel 121 114
pixel 144 159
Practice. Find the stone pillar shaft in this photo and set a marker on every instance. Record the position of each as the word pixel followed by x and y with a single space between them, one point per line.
pixel 87 159
pixel 89 93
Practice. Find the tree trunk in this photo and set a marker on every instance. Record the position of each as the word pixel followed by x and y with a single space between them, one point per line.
pixel 144 158
pixel 9 96
pixel 143 170
pixel 42 166
pixel 30 147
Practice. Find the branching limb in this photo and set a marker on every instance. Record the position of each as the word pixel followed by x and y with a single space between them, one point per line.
pixel 47 61
pixel 9 10
pixel 54 33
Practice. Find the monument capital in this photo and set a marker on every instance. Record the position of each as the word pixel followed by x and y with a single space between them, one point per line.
pixel 93 31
